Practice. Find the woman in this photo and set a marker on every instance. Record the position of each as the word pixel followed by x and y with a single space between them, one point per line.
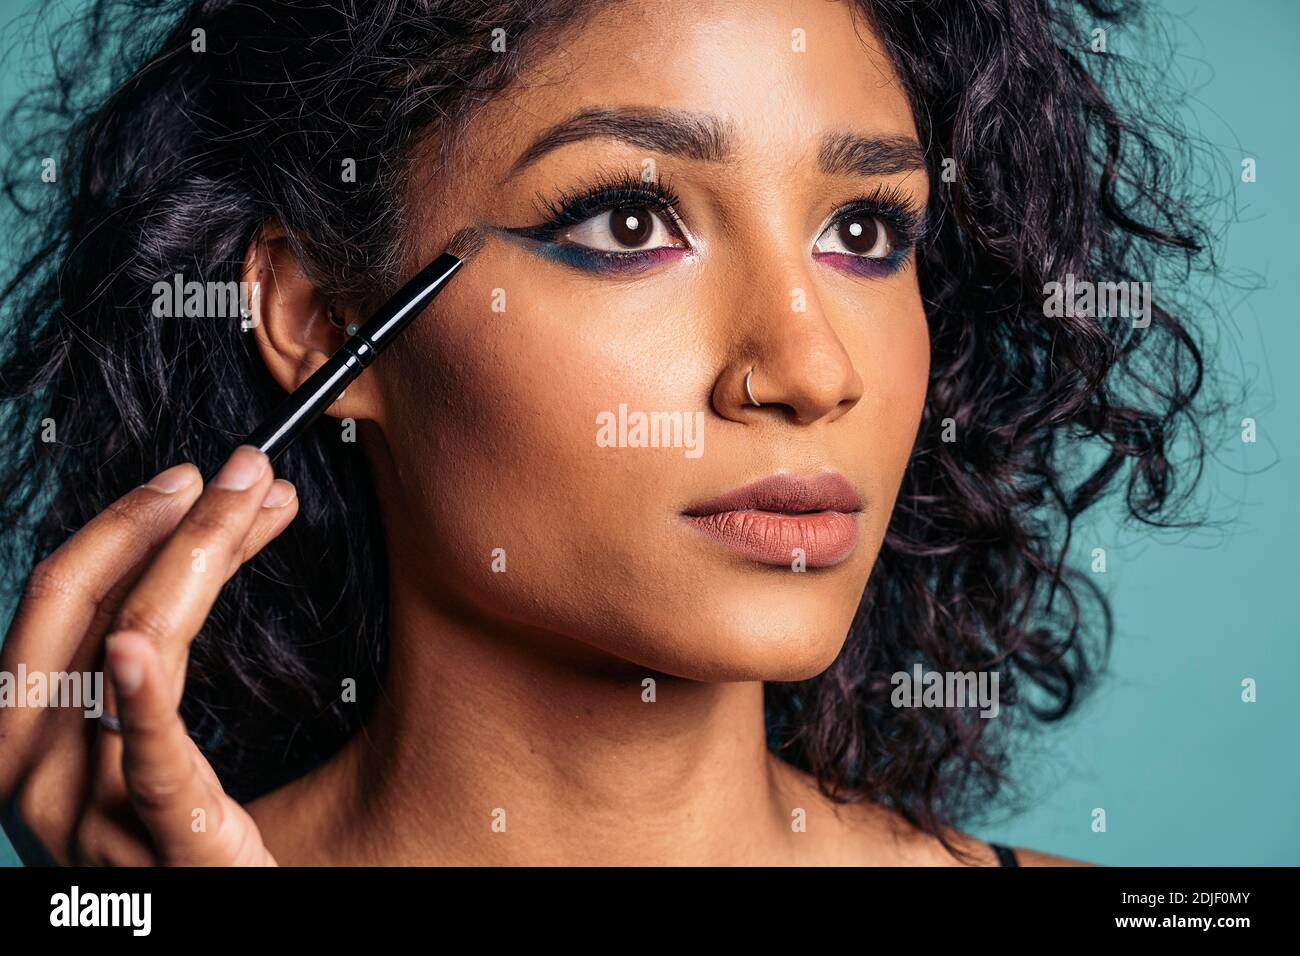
pixel 478 617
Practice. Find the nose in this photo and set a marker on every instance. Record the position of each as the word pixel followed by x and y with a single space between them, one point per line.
pixel 790 363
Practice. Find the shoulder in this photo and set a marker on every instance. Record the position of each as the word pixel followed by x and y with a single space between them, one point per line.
pixel 1036 858
pixel 865 833
pixel 981 852
pixel 896 842
pixel 976 852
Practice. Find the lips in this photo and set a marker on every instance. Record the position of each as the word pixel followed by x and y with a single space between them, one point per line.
pixel 778 519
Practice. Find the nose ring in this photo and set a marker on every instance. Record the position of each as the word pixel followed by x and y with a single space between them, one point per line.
pixel 748 376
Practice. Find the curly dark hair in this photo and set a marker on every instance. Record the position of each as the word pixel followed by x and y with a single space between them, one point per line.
pixel 175 165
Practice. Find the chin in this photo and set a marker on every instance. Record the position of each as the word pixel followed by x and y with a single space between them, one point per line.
pixel 749 637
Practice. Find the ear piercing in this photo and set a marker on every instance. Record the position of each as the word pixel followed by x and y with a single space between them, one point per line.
pixel 335 321
pixel 748 376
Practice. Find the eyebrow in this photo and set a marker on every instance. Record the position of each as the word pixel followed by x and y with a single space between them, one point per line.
pixel 703 136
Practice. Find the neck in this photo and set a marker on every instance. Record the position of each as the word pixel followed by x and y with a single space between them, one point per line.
pixel 501 746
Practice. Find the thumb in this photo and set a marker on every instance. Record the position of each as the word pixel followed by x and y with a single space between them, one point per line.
pixel 172 788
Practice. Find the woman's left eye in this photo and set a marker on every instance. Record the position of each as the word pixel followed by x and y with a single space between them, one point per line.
pixel 867 237
pixel 627 228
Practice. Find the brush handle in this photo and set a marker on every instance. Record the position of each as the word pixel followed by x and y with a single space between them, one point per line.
pixel 310 399
pixel 296 413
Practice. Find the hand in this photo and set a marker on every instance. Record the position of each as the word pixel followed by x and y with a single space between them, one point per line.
pixel 146 572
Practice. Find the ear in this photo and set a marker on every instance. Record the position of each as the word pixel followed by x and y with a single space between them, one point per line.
pixel 291 321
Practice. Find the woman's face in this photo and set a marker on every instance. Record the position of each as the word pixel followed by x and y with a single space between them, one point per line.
pixel 770 122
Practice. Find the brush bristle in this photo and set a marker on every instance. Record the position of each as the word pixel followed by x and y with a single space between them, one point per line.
pixel 466 243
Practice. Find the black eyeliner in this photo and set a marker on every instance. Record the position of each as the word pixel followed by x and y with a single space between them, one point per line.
pixel 571 208
pixel 608 192
pixel 909 223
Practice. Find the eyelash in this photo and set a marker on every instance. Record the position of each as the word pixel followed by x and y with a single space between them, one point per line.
pixel 607 192
pixel 899 212
pixel 903 218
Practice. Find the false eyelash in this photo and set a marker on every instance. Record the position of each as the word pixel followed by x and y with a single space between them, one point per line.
pixel 907 219
pixel 607 191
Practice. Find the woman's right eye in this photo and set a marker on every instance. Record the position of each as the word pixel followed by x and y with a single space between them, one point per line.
pixel 626 228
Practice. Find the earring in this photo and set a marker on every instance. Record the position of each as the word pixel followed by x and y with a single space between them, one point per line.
pixel 748 376
pixel 350 328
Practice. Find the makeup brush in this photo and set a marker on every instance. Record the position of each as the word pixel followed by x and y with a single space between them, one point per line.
pixel 327 383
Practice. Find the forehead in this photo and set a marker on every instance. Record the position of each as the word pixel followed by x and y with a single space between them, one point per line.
pixel 770 79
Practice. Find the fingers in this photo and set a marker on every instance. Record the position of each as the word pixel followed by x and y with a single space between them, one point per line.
pixel 279 508
pixel 124 555
pixel 66 589
pixel 173 797
pixel 240 510
pixel 67 598
pixel 175 593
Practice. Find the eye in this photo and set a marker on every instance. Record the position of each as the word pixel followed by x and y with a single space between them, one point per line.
pixel 858 234
pixel 625 228
pixel 620 224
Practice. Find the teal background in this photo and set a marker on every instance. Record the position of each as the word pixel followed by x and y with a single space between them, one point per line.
pixel 1186 772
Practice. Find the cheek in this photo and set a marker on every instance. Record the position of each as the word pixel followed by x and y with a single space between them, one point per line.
pixel 490 413
pixel 900 366
pixel 529 381
pixel 493 419
pixel 893 357
pixel 892 352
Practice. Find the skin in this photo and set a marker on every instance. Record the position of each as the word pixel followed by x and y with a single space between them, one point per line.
pixel 523 691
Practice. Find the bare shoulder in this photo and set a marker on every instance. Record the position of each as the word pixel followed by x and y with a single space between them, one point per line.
pixel 865 833
pixel 972 851
pixel 981 853
pixel 1035 858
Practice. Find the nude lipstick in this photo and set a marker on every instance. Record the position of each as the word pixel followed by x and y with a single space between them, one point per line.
pixel 772 520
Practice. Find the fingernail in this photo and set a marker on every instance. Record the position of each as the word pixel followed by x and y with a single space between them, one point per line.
pixel 243 469
pixel 280 494
pixel 126 672
pixel 174 479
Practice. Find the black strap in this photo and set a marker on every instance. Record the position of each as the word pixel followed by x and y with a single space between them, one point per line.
pixel 1006 855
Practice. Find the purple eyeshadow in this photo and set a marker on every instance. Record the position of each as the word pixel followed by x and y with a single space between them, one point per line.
pixel 867 268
